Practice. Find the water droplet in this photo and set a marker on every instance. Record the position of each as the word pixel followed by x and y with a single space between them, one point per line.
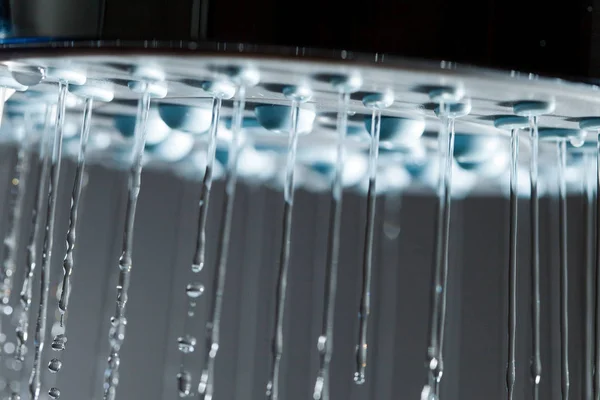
pixel 15 396
pixel 359 378
pixel 318 393
pixel 117 332
pixel 194 290
pixel 186 344
pixel 58 344
pixel 54 393
pixel 197 268
pixel 54 365
pixel 433 363
pixel 27 75
pixel 184 383
pixel 321 342
pixel 579 140
pixel 214 348
pixel 427 393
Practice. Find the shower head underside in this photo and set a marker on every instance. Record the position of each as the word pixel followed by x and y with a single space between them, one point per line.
pixel 483 105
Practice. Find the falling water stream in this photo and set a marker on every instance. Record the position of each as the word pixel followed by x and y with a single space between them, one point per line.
pixel 367 265
pixel 78 185
pixel 76 195
pixel 206 387
pixel 589 214
pixel 444 255
pixel 437 313
pixel 597 283
pixel 187 343
pixel 36 232
pixel 564 281
pixel 284 255
pixel 40 328
pixel 119 322
pixel 200 252
pixel 512 264
pixel 325 341
pixel 536 363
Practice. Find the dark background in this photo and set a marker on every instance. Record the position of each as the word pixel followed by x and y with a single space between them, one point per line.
pixel 555 38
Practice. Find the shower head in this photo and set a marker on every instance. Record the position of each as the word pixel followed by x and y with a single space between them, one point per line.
pixel 480 98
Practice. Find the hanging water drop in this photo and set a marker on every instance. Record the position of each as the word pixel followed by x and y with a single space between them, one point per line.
pixel 146 89
pixel 220 91
pixel 78 186
pixel 196 268
pixel 214 319
pixel 15 396
pixel 578 140
pixel 297 95
pixel 27 75
pixel 514 123
pixel 325 340
pixel 376 102
pixel 589 195
pixel 194 290
pixel 535 257
pixel 54 393
pixel 40 329
pixel 564 294
pixel 446 113
pixel 512 265
pixel 54 365
pixel 59 342
pixel 532 110
pixel 597 282
pixel 186 344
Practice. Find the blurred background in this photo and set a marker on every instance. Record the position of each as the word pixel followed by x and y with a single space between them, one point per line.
pixel 475 352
